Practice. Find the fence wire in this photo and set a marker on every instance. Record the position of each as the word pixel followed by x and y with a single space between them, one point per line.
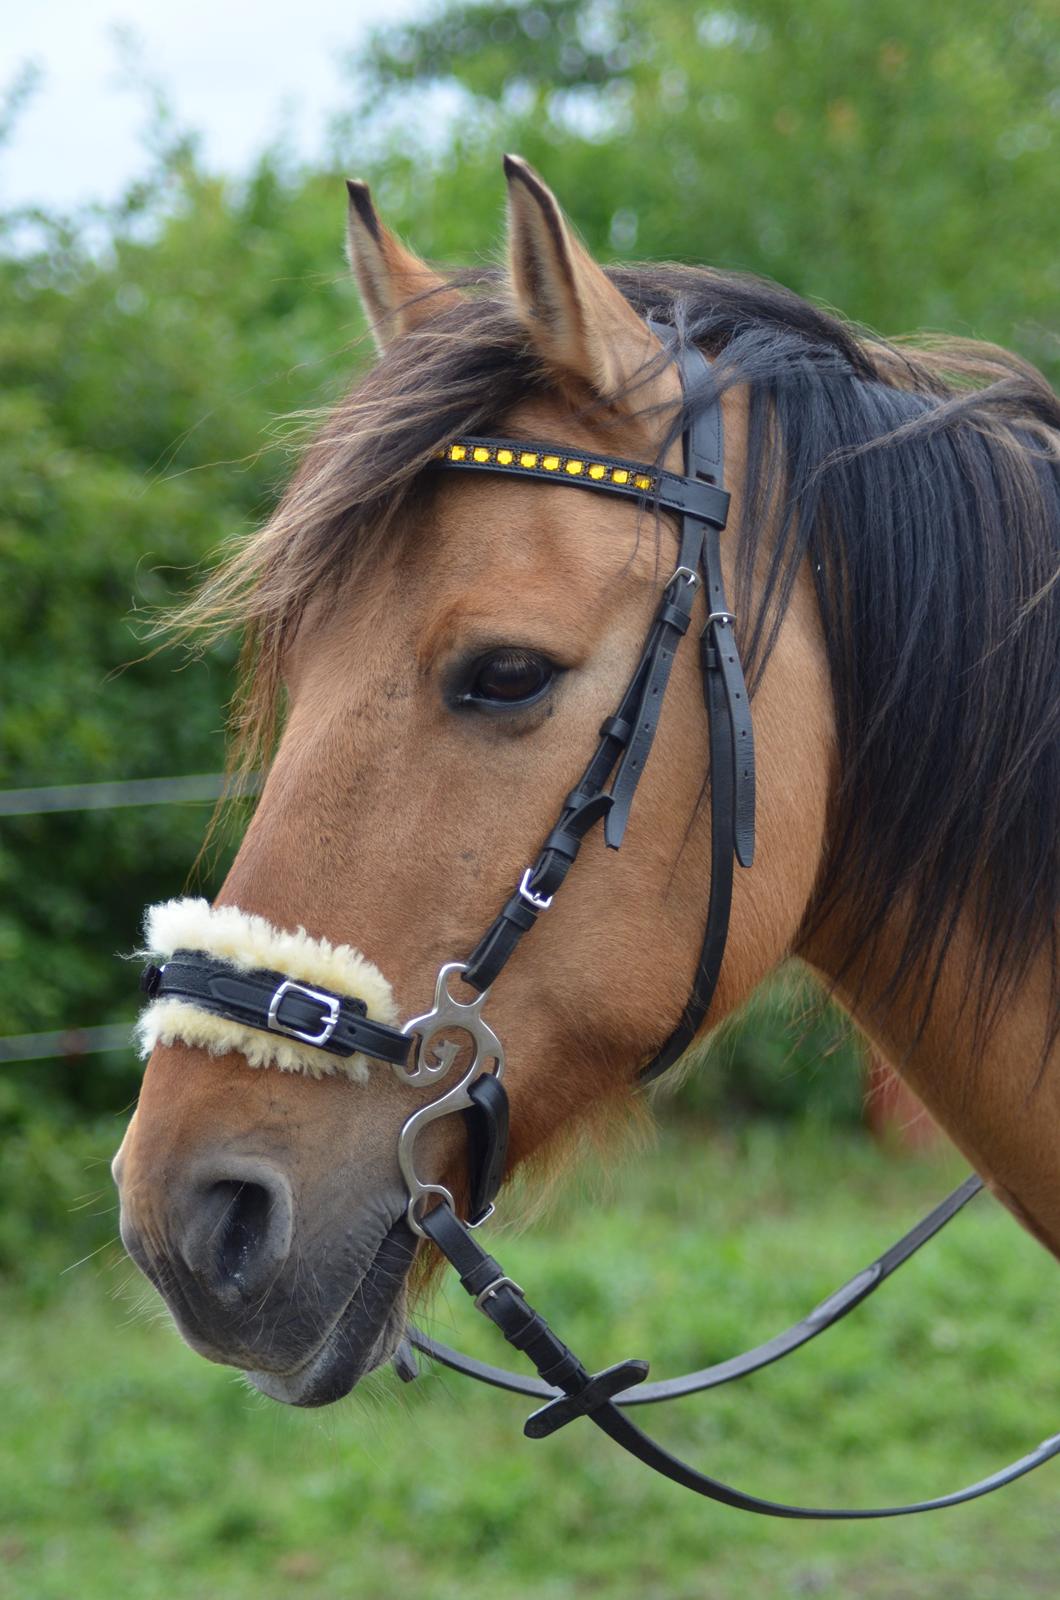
pixel 130 792
pixel 71 1043
pixel 67 1044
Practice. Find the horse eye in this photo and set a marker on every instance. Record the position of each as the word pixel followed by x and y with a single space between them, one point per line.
pixel 508 678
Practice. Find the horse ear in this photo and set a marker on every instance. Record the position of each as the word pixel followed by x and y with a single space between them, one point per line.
pixel 581 324
pixel 398 290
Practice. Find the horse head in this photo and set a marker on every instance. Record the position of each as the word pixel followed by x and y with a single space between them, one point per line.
pixel 447 645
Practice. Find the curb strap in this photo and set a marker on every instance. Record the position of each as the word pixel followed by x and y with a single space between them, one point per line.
pixel 275 1003
pixel 593 1395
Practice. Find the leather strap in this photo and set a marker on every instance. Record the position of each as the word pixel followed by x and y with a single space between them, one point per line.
pixel 503 1302
pixel 825 1315
pixel 649 484
pixel 704 455
pixel 729 732
pixel 606 1385
pixel 276 1004
pixel 651 681
pixel 486 1119
pixel 626 738
pixel 705 460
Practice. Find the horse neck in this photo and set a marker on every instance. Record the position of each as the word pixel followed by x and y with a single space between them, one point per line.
pixel 998 1099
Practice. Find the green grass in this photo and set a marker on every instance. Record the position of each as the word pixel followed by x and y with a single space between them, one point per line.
pixel 130 1467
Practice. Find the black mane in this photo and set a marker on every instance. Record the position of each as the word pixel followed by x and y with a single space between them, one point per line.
pixel 924 490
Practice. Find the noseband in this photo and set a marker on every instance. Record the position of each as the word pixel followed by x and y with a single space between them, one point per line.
pixel 337 1024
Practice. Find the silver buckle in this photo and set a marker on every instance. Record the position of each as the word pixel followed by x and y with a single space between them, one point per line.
pixel 540 902
pixel 690 577
pixel 491 1289
pixel 728 618
pixel 330 1002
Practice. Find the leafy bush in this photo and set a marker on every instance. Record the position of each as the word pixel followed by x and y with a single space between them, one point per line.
pixel 58 1207
pixel 786 1054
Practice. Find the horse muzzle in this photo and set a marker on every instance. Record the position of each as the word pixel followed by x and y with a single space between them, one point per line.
pixel 305 1300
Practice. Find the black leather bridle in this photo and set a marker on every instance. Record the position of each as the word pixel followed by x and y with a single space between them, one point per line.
pixel 604 793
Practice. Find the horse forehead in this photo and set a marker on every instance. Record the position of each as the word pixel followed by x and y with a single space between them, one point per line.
pixel 496 529
pixel 496 548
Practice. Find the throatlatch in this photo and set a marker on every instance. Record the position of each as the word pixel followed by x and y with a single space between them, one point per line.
pixel 334 1022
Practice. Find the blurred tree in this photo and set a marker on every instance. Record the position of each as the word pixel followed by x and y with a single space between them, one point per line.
pixel 143 355
pixel 895 160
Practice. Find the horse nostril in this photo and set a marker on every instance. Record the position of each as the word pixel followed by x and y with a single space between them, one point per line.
pixel 245 1209
pixel 237 1228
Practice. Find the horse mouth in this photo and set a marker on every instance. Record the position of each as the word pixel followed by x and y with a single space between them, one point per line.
pixel 365 1334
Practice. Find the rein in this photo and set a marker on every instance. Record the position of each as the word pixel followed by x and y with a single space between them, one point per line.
pixel 338 1024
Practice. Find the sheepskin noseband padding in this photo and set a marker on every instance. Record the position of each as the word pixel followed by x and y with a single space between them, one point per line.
pixel 245 941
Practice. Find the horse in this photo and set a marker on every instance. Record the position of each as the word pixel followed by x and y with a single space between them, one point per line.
pixel 428 656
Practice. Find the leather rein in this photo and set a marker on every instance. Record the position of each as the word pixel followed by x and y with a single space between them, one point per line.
pixel 604 794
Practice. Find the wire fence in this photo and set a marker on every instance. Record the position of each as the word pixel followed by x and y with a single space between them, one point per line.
pixel 71 1044
pixel 68 1044
pixel 132 792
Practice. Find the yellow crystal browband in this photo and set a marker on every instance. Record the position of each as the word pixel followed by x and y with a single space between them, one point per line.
pixel 585 470
pixel 526 458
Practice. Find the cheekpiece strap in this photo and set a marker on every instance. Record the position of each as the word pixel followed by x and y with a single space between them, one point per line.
pixel 607 787
pixel 730 736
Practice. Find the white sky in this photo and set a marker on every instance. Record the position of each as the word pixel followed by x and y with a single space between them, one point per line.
pixel 234 71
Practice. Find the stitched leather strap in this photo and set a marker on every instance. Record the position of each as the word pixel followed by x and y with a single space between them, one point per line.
pixel 276 1004
pixel 719 903
pixel 626 738
pixel 825 1315
pixel 719 635
pixel 650 683
pixel 704 460
pixel 504 1303
pixel 652 485
pixel 730 737
pixel 486 1119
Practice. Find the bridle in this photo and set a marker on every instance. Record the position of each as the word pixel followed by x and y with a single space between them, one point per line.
pixel 339 1025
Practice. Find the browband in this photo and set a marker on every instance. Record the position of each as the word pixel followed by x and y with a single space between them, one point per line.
pixel 551 464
